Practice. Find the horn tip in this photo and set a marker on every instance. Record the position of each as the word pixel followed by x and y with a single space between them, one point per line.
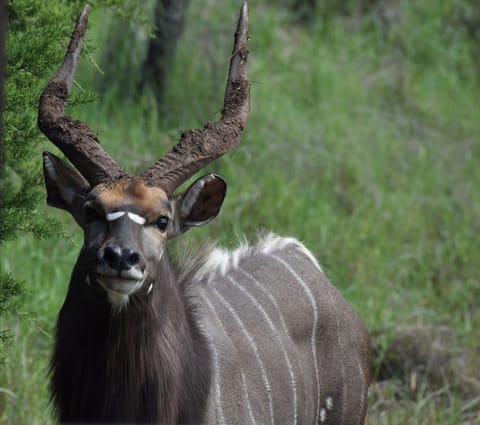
pixel 242 26
pixel 85 11
pixel 244 9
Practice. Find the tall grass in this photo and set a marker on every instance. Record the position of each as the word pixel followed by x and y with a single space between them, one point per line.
pixel 362 141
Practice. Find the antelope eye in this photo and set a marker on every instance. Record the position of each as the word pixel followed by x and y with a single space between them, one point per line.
pixel 91 214
pixel 162 223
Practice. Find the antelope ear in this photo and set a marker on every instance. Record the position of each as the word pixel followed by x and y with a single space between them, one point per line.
pixel 200 203
pixel 64 184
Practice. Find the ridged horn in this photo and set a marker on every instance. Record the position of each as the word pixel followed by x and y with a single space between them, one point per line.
pixel 198 147
pixel 74 138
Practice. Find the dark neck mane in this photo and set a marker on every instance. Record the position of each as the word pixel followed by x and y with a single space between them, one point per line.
pixel 148 363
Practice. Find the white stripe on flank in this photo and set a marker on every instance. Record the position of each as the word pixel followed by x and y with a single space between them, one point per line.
pixel 300 247
pixel 245 390
pixel 271 243
pixel 341 351
pixel 315 324
pixel 254 348
pixel 216 367
pixel 137 218
pixel 329 403
pixel 323 415
pixel 115 215
pixel 274 330
pixel 362 392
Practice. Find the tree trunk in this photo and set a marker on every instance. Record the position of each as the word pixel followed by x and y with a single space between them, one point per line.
pixel 169 19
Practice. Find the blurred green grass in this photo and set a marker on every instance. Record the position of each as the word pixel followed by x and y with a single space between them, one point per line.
pixel 362 142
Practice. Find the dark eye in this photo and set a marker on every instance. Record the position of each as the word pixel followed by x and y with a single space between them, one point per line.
pixel 162 223
pixel 91 214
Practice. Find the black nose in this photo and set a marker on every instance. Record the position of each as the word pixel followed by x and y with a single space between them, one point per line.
pixel 120 258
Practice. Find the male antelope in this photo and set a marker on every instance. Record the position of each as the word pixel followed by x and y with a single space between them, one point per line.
pixel 257 335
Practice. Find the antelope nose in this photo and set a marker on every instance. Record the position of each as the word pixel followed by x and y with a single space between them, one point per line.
pixel 120 258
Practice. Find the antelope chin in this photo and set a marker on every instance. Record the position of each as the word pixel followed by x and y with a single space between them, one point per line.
pixel 119 289
pixel 119 285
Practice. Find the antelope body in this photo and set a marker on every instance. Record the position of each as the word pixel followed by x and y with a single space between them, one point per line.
pixel 254 335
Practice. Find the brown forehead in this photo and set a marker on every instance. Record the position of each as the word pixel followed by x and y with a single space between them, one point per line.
pixel 131 193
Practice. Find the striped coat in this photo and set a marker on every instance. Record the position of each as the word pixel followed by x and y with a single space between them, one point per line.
pixel 257 335
pixel 286 346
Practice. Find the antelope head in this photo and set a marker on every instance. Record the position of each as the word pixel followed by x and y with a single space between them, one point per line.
pixel 126 219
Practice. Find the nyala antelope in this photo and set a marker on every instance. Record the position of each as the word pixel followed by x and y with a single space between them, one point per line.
pixel 256 335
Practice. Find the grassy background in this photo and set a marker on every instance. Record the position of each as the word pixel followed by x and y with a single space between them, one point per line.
pixel 362 142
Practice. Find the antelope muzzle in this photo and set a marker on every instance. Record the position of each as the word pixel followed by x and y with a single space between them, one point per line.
pixel 121 267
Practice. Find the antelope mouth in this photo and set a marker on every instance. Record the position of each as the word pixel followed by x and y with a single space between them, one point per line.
pixel 124 283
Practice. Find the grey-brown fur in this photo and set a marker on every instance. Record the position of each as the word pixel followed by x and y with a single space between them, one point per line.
pixel 184 353
pixel 254 336
pixel 145 364
pixel 342 346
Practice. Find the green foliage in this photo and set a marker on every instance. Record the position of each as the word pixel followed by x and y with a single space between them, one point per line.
pixel 362 141
pixel 37 35
pixel 10 291
pixel 37 32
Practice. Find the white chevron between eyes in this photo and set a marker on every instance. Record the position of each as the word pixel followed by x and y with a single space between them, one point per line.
pixel 313 339
pixel 273 328
pixel 132 216
pixel 137 218
pixel 254 348
pixel 115 215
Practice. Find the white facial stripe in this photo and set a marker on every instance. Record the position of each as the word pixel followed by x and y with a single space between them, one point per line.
pixel 115 215
pixel 137 218
pixel 132 216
